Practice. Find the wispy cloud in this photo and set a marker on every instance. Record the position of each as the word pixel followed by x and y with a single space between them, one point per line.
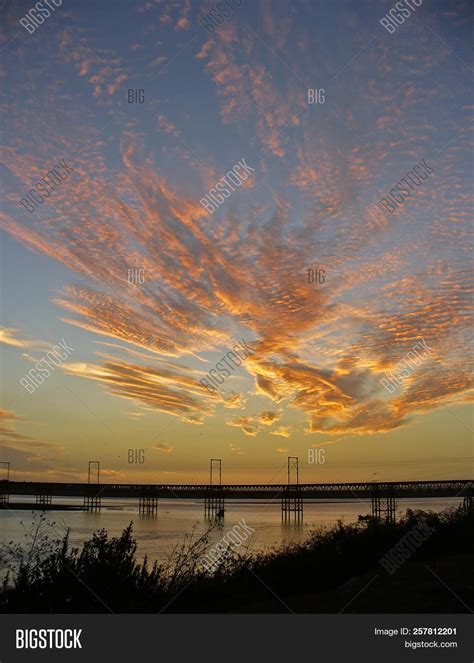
pixel 133 203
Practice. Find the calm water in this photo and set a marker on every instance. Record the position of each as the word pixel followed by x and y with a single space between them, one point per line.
pixel 158 535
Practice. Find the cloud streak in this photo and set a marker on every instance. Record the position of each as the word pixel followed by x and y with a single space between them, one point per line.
pixel 319 350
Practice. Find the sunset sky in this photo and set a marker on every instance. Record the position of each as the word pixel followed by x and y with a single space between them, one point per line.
pixel 211 280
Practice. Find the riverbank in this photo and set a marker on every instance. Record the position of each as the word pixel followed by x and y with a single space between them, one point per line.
pixel 362 567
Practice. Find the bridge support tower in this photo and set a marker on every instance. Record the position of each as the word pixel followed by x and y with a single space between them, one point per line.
pixel 5 482
pixel 92 497
pixel 44 496
pixel 384 505
pixel 4 493
pixel 467 502
pixel 292 498
pixel 148 502
pixel 92 502
pixel 292 504
pixel 214 501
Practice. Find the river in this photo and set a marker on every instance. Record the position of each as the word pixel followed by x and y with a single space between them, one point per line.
pixel 157 535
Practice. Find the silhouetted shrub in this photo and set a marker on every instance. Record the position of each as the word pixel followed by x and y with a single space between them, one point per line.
pixel 50 576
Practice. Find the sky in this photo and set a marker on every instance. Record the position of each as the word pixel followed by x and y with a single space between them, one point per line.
pixel 392 277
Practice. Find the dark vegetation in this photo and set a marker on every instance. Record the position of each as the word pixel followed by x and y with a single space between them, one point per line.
pixel 321 575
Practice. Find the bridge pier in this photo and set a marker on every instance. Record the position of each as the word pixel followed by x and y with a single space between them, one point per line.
pixel 4 492
pixel 214 504
pixel 292 497
pixel 92 503
pixel 467 504
pixel 384 505
pixel 148 502
pixel 292 504
pixel 44 496
pixel 5 483
pixel 92 498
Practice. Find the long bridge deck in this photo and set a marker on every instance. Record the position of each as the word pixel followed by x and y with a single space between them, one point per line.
pixel 398 489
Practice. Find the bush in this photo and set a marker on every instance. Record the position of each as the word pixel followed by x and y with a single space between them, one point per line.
pixel 105 576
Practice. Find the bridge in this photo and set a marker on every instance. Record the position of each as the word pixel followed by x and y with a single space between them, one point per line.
pixel 292 494
pixel 349 491
pixel 382 496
